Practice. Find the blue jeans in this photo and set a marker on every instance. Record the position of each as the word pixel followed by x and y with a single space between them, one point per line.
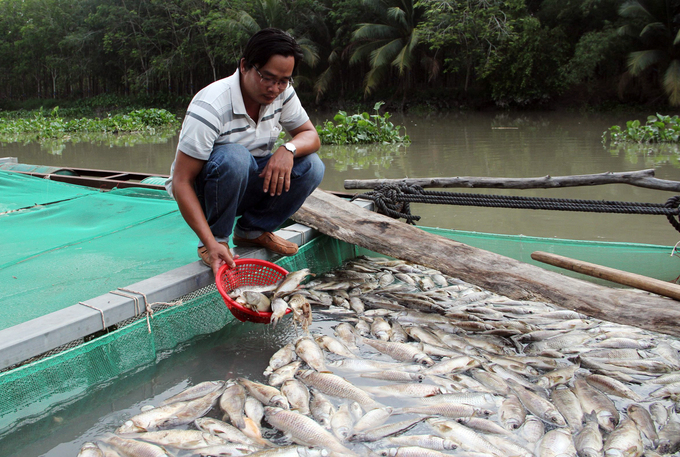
pixel 229 186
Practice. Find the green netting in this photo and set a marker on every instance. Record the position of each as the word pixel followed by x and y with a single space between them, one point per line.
pixel 83 247
pixel 35 390
pixel 22 191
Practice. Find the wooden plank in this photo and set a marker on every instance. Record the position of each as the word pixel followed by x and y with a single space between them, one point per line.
pixel 345 221
pixel 653 285
pixel 642 178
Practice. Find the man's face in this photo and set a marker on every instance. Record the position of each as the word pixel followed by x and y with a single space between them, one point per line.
pixel 264 84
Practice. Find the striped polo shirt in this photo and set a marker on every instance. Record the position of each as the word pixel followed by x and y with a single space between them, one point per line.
pixel 217 115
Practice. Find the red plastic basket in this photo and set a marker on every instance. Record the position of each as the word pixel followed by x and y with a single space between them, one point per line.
pixel 248 272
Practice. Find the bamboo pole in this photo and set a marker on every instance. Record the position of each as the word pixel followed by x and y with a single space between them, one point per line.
pixel 642 282
pixel 642 178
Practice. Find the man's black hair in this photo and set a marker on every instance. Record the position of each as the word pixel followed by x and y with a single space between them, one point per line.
pixel 269 42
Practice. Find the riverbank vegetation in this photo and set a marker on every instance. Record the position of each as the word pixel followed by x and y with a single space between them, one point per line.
pixel 427 55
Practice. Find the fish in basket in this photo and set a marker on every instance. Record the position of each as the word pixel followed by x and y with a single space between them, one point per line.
pixel 256 290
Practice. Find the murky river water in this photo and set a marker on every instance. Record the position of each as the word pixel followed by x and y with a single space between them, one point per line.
pixel 442 146
pixel 491 145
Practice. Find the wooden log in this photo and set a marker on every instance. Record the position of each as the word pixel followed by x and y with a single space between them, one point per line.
pixel 642 178
pixel 343 220
pixel 654 285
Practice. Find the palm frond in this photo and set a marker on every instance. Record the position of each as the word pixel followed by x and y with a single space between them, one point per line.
pixel 639 61
pixel 386 54
pixel 374 32
pixel 310 51
pixel 323 82
pixel 653 28
pixel 397 15
pixel 634 9
pixel 363 51
pixel 671 83
pixel 374 77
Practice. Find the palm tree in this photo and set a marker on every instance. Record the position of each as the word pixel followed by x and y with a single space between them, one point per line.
pixel 652 22
pixel 393 43
pixel 276 13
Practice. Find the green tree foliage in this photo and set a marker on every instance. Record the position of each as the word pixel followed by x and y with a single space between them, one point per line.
pixel 654 23
pixel 390 44
pixel 511 52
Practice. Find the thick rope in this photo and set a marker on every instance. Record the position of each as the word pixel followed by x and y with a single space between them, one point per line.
pixel 394 202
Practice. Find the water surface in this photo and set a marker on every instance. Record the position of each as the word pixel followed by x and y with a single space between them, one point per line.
pixel 483 145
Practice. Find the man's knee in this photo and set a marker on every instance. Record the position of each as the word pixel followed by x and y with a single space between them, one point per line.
pixel 230 160
pixel 311 169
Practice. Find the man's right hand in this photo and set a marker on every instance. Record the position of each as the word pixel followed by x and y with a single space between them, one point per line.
pixel 218 255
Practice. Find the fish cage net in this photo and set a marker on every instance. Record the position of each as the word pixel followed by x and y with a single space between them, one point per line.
pixel 34 390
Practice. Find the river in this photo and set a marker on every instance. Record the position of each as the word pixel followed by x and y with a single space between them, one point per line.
pixel 519 145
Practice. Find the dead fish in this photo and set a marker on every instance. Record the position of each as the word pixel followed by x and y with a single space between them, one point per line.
pixel 304 430
pixel 181 439
pixel 452 365
pixel 345 332
pixel 134 447
pixel 174 414
pixel 644 421
pixel 291 282
pixel 427 441
pixel 302 311
pixel 254 409
pixel 283 374
pixel 282 357
pixel 394 375
pixel 411 451
pixel 557 442
pixel 373 418
pixel 593 400
pixel 383 431
pixel 588 441
pixel 195 392
pixel 625 440
pixel 569 406
pixel 267 395
pixel 342 422
pixel 257 301
pixel 297 395
pixel 336 386
pixel 223 430
pixel 381 329
pixel 309 351
pixel 400 351
pixel 612 386
pixel 511 413
pixel 334 345
pixel 321 408
pixel 90 450
pixel 464 437
pixel 279 307
pixel 537 404
pixel 365 365
pixel 232 401
pixel 417 390
pixel 451 410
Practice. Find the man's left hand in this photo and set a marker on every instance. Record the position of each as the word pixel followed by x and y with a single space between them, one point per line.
pixel 276 173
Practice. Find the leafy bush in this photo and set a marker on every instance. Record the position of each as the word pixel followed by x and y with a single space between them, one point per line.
pixel 42 126
pixel 658 129
pixel 361 128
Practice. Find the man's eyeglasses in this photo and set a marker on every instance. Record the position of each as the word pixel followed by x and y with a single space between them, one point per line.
pixel 269 82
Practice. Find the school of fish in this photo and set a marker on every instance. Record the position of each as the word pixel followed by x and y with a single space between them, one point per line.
pixel 424 365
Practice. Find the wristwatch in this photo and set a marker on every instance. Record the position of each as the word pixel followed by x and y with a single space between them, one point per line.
pixel 291 147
